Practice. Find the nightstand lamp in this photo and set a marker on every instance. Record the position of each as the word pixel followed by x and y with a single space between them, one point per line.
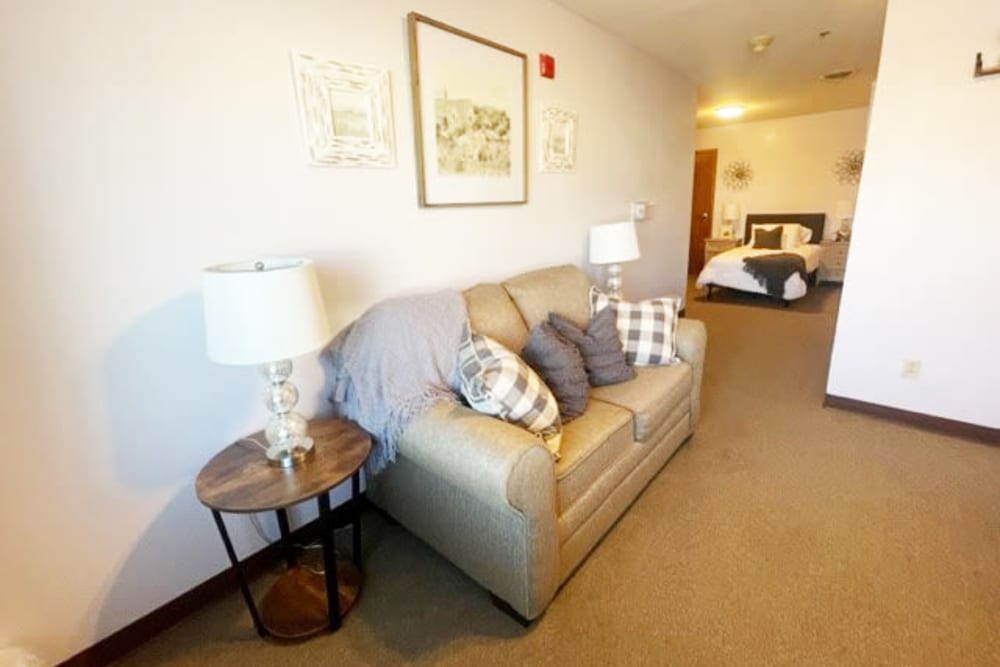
pixel 266 312
pixel 730 214
pixel 612 244
pixel 843 213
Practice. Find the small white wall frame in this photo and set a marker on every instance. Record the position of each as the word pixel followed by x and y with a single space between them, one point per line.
pixel 558 140
pixel 345 111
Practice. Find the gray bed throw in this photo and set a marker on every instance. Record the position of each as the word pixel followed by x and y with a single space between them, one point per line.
pixel 394 362
pixel 771 271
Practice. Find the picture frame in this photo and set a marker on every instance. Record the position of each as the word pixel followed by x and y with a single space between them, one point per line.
pixel 470 116
pixel 345 112
pixel 558 144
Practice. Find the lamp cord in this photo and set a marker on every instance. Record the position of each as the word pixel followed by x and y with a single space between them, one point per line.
pixel 254 441
pixel 255 519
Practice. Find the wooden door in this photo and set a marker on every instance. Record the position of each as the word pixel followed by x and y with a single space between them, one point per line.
pixel 702 205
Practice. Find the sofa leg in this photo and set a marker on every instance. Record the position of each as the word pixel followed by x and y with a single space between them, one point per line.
pixel 507 609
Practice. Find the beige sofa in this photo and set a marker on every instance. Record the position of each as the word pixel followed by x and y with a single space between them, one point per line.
pixel 488 496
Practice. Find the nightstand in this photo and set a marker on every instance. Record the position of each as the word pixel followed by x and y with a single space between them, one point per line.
pixel 714 246
pixel 302 602
pixel 833 261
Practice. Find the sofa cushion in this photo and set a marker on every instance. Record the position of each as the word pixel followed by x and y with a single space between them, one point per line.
pixel 493 314
pixel 651 396
pixel 497 382
pixel 648 329
pixel 591 444
pixel 560 289
pixel 559 363
pixel 602 352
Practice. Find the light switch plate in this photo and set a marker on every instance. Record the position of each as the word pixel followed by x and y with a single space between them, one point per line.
pixel 638 210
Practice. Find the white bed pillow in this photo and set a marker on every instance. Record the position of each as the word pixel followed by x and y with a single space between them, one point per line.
pixel 792 235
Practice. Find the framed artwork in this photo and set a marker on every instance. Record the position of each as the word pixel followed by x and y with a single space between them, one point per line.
pixel 848 167
pixel 558 140
pixel 738 175
pixel 469 112
pixel 345 112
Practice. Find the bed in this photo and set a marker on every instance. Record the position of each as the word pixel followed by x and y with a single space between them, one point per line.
pixel 729 269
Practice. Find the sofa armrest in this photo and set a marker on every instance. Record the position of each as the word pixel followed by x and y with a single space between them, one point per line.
pixel 692 339
pixel 483 493
pixel 498 463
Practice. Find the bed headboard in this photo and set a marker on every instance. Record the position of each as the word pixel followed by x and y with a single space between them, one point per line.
pixel 814 221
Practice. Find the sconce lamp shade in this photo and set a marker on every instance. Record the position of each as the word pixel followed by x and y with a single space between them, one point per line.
pixel 730 211
pixel 613 242
pixel 844 210
pixel 263 311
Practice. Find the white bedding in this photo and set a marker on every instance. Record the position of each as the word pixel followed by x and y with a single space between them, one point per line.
pixel 726 270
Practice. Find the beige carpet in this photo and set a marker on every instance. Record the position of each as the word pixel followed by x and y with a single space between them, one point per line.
pixel 782 533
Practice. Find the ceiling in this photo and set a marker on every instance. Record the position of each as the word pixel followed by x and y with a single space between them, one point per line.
pixel 708 41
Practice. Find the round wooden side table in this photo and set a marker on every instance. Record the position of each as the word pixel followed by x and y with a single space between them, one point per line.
pixel 239 480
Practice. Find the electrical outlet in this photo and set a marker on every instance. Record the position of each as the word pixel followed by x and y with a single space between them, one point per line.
pixel 911 369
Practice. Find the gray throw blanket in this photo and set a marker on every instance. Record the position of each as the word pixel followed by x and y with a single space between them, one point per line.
pixel 771 271
pixel 394 362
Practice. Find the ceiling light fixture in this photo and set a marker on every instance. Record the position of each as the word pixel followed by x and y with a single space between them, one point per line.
pixel 730 111
pixel 760 43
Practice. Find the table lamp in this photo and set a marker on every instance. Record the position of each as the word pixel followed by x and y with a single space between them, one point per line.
pixel 843 213
pixel 730 214
pixel 613 243
pixel 265 312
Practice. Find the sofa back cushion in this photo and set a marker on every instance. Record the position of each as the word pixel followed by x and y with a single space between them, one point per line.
pixel 493 314
pixel 559 289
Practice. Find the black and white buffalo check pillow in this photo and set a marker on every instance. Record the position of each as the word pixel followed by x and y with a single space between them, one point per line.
pixel 497 382
pixel 647 329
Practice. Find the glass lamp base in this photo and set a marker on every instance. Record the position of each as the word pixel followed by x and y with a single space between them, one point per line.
pixel 288 443
pixel 290 455
pixel 614 285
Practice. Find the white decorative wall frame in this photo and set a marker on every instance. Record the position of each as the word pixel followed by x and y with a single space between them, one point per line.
pixel 345 111
pixel 558 140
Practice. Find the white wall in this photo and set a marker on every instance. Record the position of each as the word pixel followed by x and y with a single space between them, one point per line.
pixel 143 141
pixel 792 161
pixel 921 277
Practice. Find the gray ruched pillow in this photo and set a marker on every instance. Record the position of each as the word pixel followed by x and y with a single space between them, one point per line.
pixel 560 364
pixel 602 352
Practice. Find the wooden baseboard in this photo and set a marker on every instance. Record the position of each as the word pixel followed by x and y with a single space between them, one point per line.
pixel 139 632
pixel 959 429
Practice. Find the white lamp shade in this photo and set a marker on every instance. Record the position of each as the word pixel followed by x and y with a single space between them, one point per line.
pixel 730 212
pixel 263 311
pixel 613 242
pixel 844 210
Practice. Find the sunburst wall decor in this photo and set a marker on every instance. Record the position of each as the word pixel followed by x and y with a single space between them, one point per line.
pixel 738 175
pixel 848 167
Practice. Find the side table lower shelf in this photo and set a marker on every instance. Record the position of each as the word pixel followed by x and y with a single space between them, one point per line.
pixel 295 607
pixel 303 602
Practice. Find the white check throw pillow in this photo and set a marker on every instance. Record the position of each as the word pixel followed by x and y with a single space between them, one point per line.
pixel 497 382
pixel 647 329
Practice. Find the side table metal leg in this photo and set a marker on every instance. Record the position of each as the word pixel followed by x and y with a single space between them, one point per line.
pixel 329 559
pixel 356 523
pixel 240 574
pixel 286 539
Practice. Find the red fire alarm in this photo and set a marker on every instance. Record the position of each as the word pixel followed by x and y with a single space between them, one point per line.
pixel 546 65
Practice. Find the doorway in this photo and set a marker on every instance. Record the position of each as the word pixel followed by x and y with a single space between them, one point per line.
pixel 702 206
